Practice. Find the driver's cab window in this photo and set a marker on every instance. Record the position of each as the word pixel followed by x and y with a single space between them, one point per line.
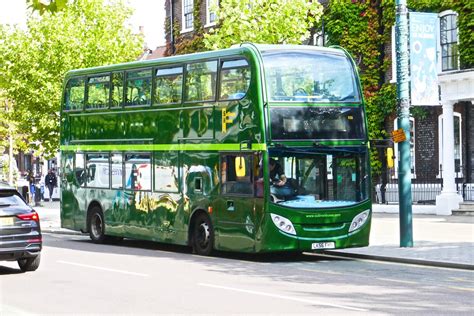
pixel 236 174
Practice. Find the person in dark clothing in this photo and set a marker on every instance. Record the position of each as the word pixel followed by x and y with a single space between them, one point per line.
pixel 277 176
pixel 51 182
pixel 31 181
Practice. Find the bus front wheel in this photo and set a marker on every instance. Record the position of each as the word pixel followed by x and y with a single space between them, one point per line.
pixel 203 235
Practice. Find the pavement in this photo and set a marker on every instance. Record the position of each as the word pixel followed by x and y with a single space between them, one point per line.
pixel 442 241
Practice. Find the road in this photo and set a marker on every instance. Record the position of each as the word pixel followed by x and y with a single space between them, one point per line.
pixel 136 277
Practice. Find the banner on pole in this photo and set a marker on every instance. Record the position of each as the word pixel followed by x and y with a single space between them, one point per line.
pixel 423 61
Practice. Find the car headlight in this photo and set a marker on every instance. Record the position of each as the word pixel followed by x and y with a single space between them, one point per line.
pixel 359 220
pixel 283 224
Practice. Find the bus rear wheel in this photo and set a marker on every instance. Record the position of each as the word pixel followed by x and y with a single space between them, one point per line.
pixel 203 235
pixel 96 226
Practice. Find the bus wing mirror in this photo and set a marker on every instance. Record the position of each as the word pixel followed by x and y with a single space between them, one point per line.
pixel 240 170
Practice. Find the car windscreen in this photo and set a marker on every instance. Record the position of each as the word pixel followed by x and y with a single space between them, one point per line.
pixel 309 76
pixel 317 123
pixel 10 198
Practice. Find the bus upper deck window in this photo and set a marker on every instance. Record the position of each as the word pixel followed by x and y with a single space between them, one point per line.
pixel 201 81
pixel 139 87
pixel 98 92
pixel 235 79
pixel 169 85
pixel 117 90
pixel 74 98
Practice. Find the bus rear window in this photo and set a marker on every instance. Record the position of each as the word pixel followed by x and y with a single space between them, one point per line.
pixel 74 97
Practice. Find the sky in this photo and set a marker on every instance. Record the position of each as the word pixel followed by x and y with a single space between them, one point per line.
pixel 147 13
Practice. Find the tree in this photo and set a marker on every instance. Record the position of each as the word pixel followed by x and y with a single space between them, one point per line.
pixel 33 63
pixel 263 21
pixel 43 6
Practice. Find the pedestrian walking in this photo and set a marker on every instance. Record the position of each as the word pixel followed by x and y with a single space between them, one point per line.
pixel 31 181
pixel 51 182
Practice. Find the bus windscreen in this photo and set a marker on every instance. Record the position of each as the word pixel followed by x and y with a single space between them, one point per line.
pixel 308 76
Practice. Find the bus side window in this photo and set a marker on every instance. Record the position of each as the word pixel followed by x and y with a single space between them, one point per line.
pixel 236 175
pixel 235 79
pixel 138 172
pixel 74 97
pixel 169 85
pixel 97 170
pixel 201 81
pixel 79 169
pixel 117 90
pixel 116 167
pixel 98 92
pixel 139 87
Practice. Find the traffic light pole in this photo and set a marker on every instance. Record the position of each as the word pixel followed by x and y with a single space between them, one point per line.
pixel 403 105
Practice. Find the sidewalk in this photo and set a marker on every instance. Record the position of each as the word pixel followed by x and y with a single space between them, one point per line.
pixel 445 241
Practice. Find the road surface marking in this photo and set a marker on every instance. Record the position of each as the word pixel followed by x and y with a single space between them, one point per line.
pixel 290 298
pixel 397 281
pixel 321 271
pixel 103 269
pixel 461 280
pixel 461 288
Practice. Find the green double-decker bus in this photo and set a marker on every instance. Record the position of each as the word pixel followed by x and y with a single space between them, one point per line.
pixel 256 148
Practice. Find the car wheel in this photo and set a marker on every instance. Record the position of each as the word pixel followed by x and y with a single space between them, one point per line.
pixel 96 226
pixel 29 264
pixel 203 235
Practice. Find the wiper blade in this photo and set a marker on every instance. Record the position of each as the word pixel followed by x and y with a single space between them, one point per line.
pixel 5 205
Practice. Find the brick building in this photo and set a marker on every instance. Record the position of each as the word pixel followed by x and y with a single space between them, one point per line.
pixel 442 133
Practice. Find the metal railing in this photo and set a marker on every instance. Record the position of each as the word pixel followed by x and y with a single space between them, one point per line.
pixel 424 188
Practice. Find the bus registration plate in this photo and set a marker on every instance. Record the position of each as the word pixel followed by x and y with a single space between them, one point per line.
pixel 323 245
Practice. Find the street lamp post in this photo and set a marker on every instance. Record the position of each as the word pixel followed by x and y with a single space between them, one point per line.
pixel 403 105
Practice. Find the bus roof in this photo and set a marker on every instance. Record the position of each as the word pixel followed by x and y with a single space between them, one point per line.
pixel 236 49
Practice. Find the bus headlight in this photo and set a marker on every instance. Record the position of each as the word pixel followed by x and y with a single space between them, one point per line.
pixel 283 224
pixel 359 220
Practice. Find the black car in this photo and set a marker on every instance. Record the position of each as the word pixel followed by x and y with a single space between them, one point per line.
pixel 20 232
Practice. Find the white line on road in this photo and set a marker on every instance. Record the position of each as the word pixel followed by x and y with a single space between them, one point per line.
pixel 104 269
pixel 290 298
pixel 397 281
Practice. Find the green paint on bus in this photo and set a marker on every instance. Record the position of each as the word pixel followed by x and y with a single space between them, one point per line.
pixel 256 148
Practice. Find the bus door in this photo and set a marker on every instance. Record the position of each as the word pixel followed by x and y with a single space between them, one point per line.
pixel 235 205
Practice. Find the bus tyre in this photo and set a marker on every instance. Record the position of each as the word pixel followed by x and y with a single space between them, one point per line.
pixel 96 226
pixel 29 264
pixel 203 235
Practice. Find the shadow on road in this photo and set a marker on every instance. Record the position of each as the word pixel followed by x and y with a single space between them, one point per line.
pixel 156 249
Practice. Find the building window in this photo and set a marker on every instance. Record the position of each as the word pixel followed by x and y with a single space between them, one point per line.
pixel 449 41
pixel 457 143
pixel 412 149
pixel 211 16
pixel 188 16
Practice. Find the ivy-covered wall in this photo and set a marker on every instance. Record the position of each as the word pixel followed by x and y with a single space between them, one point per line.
pixel 363 27
pixel 188 42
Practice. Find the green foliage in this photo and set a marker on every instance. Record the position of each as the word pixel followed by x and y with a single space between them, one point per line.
pixel 465 10
pixel 263 21
pixel 364 28
pixel 42 7
pixel 33 63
